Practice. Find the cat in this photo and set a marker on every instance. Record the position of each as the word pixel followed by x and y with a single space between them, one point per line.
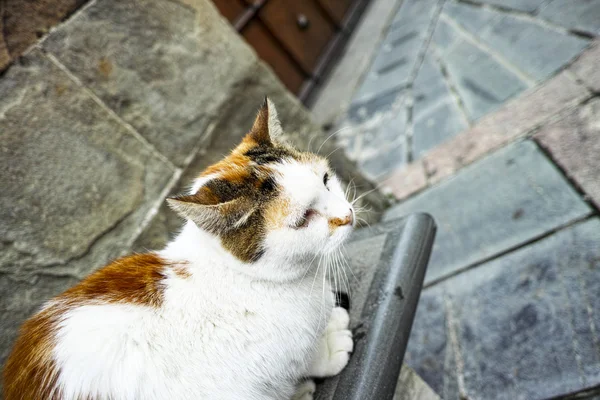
pixel 237 306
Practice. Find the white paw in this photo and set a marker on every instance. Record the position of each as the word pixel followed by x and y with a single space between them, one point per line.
pixel 305 390
pixel 335 346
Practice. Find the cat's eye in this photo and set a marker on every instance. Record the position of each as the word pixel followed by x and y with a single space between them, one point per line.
pixel 305 219
pixel 325 178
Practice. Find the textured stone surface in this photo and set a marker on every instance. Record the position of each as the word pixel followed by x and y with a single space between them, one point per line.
pixel 445 35
pixel 430 88
pixel 170 91
pixel 77 185
pixel 360 112
pixel 72 172
pixel 385 161
pixel 536 50
pixel 524 326
pixel 521 5
pixel 435 127
pixel 586 67
pixel 472 19
pixel 482 82
pixel 389 130
pixel 411 386
pixel 514 119
pixel 22 23
pixel 395 61
pixel 573 143
pixel 582 15
pixel 493 205
pixel 406 180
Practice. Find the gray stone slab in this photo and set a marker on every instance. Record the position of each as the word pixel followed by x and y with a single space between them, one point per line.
pixel 582 15
pixel 389 130
pixel 472 19
pixel 482 82
pixel 528 6
pixel 445 36
pixel 429 88
pixel 361 111
pixel 435 112
pixel 411 11
pixel 497 203
pixel 384 161
pixel 436 126
pixel 77 186
pixel 399 51
pixel 537 50
pixel 71 171
pixel 524 326
pixel 160 65
pixel 574 143
pixel 411 386
pixel 385 79
pixel 428 349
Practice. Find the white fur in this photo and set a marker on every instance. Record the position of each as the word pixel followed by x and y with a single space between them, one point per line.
pixel 230 330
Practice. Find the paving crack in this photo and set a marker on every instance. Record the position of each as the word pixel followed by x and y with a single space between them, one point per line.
pixel 511 249
pixel 150 147
pixel 450 84
pixel 532 17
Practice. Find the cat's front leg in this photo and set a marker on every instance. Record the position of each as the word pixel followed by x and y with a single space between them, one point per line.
pixel 334 347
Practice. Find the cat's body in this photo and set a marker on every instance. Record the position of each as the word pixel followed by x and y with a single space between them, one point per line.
pixel 229 310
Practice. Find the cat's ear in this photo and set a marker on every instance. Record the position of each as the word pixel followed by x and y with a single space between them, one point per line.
pixel 207 212
pixel 266 125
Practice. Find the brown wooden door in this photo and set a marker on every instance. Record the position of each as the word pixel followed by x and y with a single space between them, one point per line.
pixel 297 38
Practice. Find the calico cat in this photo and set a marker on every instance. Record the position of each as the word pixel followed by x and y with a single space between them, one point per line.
pixel 235 307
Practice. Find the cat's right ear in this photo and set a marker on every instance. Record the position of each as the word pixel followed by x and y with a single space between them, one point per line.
pixel 266 125
pixel 207 212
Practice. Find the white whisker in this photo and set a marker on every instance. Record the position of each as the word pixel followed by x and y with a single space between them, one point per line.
pixel 330 136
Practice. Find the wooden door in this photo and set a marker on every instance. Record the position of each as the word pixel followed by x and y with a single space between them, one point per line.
pixel 297 38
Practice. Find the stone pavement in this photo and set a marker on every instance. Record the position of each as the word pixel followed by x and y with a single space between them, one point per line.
pixel 486 114
pixel 441 65
pixel 510 307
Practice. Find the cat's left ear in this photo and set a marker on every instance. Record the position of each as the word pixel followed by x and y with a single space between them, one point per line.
pixel 266 125
pixel 209 211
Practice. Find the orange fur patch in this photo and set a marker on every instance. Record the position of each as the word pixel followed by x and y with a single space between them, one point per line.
pixel 133 279
pixel 337 222
pixel 30 371
pixel 276 212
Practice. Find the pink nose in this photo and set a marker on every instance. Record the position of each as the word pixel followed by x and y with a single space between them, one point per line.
pixel 348 219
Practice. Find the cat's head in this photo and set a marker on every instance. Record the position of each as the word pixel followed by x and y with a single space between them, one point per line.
pixel 269 201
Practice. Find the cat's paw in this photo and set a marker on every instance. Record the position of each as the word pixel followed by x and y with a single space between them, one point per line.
pixel 335 346
pixel 305 390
